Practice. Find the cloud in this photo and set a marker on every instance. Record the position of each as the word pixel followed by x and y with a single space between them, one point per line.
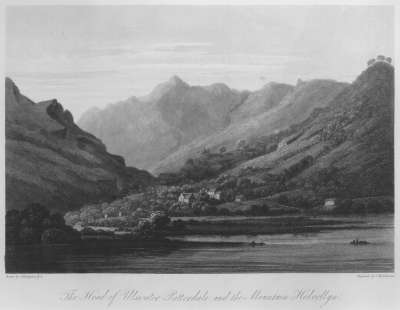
pixel 182 46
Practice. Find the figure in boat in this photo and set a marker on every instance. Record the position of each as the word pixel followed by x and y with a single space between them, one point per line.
pixel 358 242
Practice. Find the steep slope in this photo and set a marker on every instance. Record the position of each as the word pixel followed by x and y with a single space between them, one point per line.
pixel 345 149
pixel 295 106
pixel 146 130
pixel 50 160
pixel 261 101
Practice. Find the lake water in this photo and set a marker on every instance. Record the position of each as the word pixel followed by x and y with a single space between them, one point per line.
pixel 326 251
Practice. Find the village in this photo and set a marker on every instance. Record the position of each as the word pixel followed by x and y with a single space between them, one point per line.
pixel 177 202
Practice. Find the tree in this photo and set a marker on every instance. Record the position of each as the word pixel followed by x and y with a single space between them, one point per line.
pixel 224 211
pixel 343 206
pixel 178 225
pixel 359 207
pixel 57 220
pixel 90 213
pixel 144 230
pixel 72 217
pixel 228 195
pixel 209 210
pixel 205 152
pixel 159 220
pixel 27 235
pixel 13 217
pixel 283 199
pixel 259 210
pixel 54 235
pixel 241 144
pixel 371 61
pixel 380 57
pixel 13 220
pixel 28 225
pixel 389 60
pixel 34 214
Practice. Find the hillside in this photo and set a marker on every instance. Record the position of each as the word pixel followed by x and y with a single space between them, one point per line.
pixel 146 130
pixel 50 160
pixel 176 121
pixel 344 150
pixel 284 109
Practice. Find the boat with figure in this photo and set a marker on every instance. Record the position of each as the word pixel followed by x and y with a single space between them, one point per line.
pixel 359 242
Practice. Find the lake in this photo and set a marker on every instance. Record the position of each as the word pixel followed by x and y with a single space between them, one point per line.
pixel 325 251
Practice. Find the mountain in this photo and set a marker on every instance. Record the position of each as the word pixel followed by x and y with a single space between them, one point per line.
pixel 273 109
pixel 50 160
pixel 343 149
pixel 261 101
pixel 146 130
pixel 160 131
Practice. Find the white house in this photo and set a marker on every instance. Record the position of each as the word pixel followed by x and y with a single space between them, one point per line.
pixel 185 197
pixel 213 193
pixel 330 204
pixel 239 198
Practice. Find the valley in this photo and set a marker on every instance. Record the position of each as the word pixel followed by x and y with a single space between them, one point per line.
pixel 227 169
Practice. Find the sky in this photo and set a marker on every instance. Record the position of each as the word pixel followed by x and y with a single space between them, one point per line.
pixel 88 56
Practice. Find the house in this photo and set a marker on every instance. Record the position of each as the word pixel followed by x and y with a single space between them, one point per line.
pixel 217 195
pixel 213 193
pixel 239 198
pixel 330 204
pixel 185 198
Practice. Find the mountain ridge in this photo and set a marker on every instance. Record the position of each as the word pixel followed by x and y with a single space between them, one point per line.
pixel 151 131
pixel 50 160
pixel 148 129
pixel 343 150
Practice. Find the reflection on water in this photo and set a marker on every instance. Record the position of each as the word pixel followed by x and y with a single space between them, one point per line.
pixel 327 251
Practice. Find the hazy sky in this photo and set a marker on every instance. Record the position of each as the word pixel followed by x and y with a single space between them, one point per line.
pixel 92 56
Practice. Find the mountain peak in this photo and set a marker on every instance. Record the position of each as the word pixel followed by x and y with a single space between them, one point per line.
pixel 10 85
pixel 377 73
pixel 176 80
pixel 174 83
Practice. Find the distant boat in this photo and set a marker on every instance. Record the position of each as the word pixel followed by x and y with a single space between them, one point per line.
pixel 359 242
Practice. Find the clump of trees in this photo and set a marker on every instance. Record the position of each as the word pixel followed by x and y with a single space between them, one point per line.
pixel 152 228
pixel 35 224
pixel 379 58
pixel 298 167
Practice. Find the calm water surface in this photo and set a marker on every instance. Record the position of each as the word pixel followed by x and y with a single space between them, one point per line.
pixel 326 251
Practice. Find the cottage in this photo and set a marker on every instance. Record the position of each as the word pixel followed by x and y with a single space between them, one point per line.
pixel 217 195
pixel 213 193
pixel 185 198
pixel 330 204
pixel 239 198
